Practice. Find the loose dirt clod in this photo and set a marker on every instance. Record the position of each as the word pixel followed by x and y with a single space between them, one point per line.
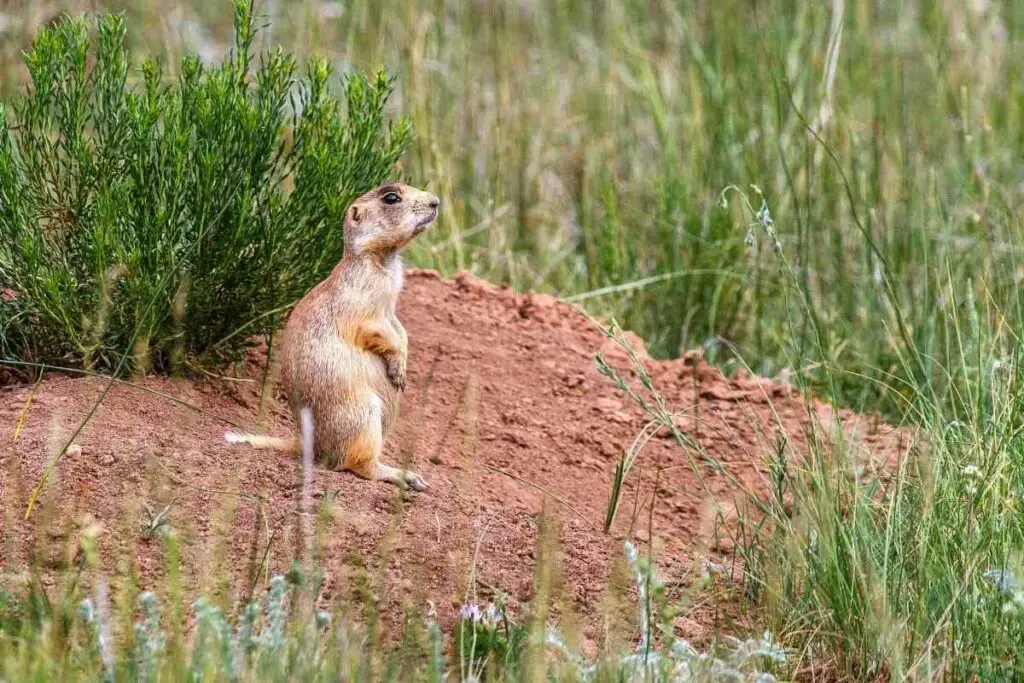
pixel 514 412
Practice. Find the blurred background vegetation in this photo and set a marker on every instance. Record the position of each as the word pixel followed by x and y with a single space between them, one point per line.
pixel 581 149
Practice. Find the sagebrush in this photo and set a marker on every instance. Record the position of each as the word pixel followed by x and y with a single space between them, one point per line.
pixel 148 220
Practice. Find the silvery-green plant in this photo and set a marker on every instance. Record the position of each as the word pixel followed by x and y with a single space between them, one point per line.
pixel 660 656
pixel 212 650
pixel 436 663
pixel 149 639
pixel 246 640
pixel 272 634
pixel 103 634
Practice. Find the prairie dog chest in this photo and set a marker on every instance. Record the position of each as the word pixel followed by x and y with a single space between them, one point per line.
pixel 396 273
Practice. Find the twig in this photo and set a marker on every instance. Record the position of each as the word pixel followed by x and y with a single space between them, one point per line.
pixel 214 375
pixel 24 411
pixel 545 492
pixel 90 373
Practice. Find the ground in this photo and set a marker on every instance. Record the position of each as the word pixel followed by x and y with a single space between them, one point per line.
pixel 505 415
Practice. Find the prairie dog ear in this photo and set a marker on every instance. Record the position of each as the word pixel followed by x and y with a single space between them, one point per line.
pixel 356 214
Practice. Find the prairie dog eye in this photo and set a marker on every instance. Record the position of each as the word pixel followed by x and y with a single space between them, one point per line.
pixel 391 198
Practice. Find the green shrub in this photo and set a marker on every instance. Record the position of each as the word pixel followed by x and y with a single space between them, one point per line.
pixel 162 219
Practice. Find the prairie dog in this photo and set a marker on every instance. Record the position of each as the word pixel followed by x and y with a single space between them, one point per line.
pixel 344 350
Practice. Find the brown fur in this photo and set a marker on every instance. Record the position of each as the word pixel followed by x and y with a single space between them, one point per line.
pixel 362 456
pixel 344 350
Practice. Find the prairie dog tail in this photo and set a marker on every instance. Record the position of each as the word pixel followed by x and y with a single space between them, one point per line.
pixel 277 443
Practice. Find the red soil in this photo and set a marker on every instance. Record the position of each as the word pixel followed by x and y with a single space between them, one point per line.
pixel 504 409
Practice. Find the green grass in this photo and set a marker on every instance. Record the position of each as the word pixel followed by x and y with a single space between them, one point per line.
pixel 583 149
pixel 580 148
pixel 906 569
pixel 914 575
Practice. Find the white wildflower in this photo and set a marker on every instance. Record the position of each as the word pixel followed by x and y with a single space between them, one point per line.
pixel 1003 580
pixel 491 615
pixel 469 612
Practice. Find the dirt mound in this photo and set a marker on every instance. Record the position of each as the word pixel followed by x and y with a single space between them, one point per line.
pixel 504 409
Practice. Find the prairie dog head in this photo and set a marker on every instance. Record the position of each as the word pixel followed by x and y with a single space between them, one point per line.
pixel 387 218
